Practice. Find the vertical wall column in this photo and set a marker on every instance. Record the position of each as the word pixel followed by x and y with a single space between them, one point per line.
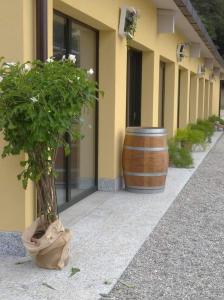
pixel 216 96
pixel 112 109
pixel 50 25
pixel 17 21
pixel 210 98
pixel 42 29
pixel 201 98
pixel 171 88
pixel 150 89
pixel 206 101
pixel 193 109
pixel 184 98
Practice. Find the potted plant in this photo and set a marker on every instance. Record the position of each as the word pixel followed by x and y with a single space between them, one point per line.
pixel 188 137
pixel 41 102
pixel 128 22
pixel 131 23
pixel 205 126
pixel 179 157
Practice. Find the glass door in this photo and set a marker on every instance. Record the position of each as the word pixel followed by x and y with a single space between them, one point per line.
pixel 77 172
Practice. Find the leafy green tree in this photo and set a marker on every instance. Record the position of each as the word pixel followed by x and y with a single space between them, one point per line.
pixel 212 15
pixel 40 103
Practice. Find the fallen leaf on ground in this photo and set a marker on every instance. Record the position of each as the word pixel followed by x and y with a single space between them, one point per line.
pixel 74 271
pixel 48 285
pixel 106 296
pixel 22 262
pixel 107 282
pixel 126 284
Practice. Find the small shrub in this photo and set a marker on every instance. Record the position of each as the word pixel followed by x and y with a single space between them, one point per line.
pixel 197 137
pixel 182 135
pixel 41 102
pixel 205 126
pixel 214 119
pixel 189 137
pixel 179 157
pixel 198 134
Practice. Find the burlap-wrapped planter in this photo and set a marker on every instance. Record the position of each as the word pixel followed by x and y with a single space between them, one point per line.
pixel 51 251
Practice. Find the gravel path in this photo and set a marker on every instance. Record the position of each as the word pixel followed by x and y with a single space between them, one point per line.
pixel 184 256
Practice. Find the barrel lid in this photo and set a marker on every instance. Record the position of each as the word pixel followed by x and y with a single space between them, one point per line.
pixel 146 130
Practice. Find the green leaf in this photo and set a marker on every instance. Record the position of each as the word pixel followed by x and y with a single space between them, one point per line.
pixel 67 149
pixel 24 183
pixel 23 163
pixel 38 108
pixel 74 271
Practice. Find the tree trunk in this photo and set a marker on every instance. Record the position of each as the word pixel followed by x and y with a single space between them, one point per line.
pixel 46 198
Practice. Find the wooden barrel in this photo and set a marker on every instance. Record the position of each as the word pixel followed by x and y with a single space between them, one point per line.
pixel 145 159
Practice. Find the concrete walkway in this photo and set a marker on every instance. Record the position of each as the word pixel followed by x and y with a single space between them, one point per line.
pixel 184 256
pixel 108 230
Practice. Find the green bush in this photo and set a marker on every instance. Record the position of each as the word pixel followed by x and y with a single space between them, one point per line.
pixel 214 119
pixel 179 157
pixel 180 146
pixel 40 103
pixel 189 137
pixel 205 126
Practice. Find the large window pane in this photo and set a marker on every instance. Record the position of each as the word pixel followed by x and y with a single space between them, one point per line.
pixel 76 173
pixel 60 182
pixel 59 36
pixel 83 45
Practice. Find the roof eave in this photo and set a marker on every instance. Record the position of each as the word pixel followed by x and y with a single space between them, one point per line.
pixel 190 13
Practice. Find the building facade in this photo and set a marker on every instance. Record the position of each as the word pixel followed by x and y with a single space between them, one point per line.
pixel 168 75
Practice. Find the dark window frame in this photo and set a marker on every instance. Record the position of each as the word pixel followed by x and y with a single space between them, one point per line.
pixel 130 52
pixel 163 74
pixel 179 98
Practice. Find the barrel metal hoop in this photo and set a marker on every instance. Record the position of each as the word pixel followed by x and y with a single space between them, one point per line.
pixel 143 190
pixel 146 149
pixel 146 134
pixel 145 174
pixel 146 130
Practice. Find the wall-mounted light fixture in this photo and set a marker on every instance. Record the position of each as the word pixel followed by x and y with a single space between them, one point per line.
pixel 201 70
pixel 181 51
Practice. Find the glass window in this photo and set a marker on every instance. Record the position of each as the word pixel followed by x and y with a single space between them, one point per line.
pixel 59 31
pixel 76 173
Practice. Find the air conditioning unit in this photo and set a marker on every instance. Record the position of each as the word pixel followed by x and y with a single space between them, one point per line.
pixel 181 48
pixel 201 70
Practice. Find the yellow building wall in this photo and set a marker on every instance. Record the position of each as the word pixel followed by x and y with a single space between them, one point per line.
pixel 216 95
pixel 104 16
pixel 17 44
pixel 17 33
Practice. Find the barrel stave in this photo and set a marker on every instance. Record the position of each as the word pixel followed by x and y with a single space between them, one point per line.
pixel 146 162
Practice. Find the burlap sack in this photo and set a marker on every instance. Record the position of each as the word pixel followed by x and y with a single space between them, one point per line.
pixel 51 251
